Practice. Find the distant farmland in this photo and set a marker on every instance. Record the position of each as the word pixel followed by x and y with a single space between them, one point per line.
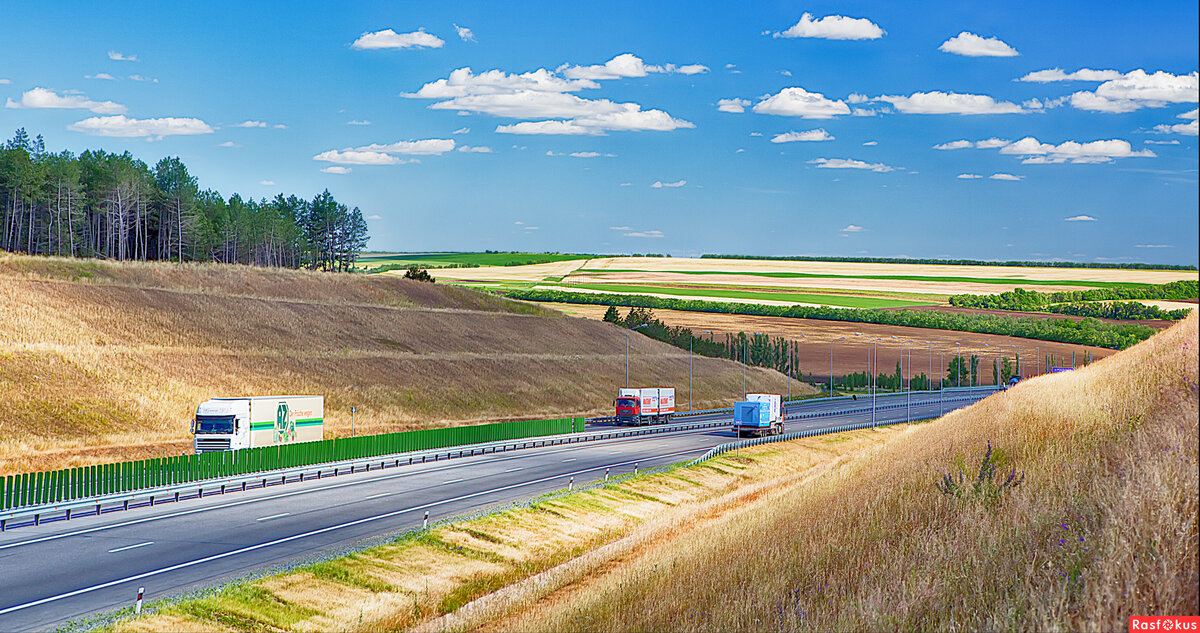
pixel 442 260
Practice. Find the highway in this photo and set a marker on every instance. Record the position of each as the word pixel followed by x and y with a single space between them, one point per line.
pixel 68 570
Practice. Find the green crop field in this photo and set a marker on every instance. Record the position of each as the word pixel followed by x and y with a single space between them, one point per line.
pixel 840 301
pixel 444 260
pixel 974 280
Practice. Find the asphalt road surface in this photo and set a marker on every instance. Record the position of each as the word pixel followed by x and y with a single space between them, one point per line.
pixel 68 570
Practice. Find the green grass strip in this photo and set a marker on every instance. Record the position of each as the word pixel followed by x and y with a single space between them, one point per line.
pixel 972 280
pixel 829 300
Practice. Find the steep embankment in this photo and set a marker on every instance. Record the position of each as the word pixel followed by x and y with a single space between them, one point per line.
pixel 1102 526
pixel 108 361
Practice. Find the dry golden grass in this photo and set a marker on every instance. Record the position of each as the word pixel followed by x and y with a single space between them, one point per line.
pixel 104 361
pixel 1103 527
pixel 416 580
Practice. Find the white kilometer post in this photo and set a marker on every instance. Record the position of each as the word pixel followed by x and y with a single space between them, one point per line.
pixel 137 608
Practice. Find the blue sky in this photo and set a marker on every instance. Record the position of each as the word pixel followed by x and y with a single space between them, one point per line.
pixel 781 128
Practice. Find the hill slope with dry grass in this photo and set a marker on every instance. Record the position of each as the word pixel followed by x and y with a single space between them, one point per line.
pixel 1103 525
pixel 103 361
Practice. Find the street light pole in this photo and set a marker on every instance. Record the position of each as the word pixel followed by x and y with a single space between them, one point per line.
pixel 627 351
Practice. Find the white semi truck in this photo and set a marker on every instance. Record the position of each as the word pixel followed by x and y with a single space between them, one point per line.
pixel 651 405
pixel 223 424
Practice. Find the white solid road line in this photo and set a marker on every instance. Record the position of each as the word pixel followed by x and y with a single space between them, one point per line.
pixel 513 470
pixel 382 494
pixel 274 516
pixel 453 481
pixel 570 459
pixel 282 495
pixel 121 549
pixel 294 537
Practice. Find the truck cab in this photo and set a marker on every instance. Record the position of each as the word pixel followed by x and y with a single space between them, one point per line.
pixel 629 410
pixel 221 425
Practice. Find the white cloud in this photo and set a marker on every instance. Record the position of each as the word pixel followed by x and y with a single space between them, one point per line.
pixel 1057 74
pixel 1003 176
pixel 852 228
pixel 143 78
pixel 863 112
pixel 1154 142
pixel 1095 103
pixel 267 183
pixel 870 143
pixel 228 144
pixel 1081 218
pixel 546 127
pixel 5 82
pixel 39 98
pixel 735 105
pixel 972 45
pixel 954 145
pixel 463 82
pixel 118 57
pixel 532 228
pixel 123 126
pixel 250 124
pixel 818 134
pixel 464 33
pixel 1190 128
pixel 968 176
pixel 358 122
pixel 356 157
pixel 479 149
pixel 336 169
pixel 786 73
pixel 373 216
pixel 423 147
pixel 625 117
pixel 850 163
pixel 949 103
pixel 799 102
pixel 461 130
pixel 834 27
pixel 653 233
pixel 1154 246
pixel 1139 89
pixel 591 155
pixel 991 143
pixel 658 184
pixel 99 76
pixel 388 38
pixel 1192 114
pixel 1104 151
pixel 626 65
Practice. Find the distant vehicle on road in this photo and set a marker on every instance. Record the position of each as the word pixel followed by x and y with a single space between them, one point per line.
pixel 650 405
pixel 1014 380
pixel 1057 370
pixel 223 424
pixel 759 414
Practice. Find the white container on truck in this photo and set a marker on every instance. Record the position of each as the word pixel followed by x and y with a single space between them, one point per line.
pixel 759 414
pixel 650 405
pixel 223 424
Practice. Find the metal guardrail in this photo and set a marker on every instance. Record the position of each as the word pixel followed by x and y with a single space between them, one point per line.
pixel 785 437
pixel 95 506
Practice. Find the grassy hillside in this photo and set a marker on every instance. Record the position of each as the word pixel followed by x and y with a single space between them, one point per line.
pixel 1102 526
pixel 104 361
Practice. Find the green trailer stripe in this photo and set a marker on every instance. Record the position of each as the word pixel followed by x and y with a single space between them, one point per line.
pixel 312 422
pixel 262 426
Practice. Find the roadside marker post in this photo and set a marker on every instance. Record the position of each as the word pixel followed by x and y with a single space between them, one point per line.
pixel 425 521
pixel 138 607
pixel 571 485
pixel 605 475
pixel 635 469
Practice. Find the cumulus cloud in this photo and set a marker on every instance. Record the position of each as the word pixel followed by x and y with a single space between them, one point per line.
pixel 462 82
pixel 954 145
pixel 1036 152
pixel 39 98
pixel 123 126
pixel 833 27
pixel 97 76
pixel 143 78
pixel 250 124
pixel 357 157
pixel 852 228
pixel 479 149
pixel 736 106
pixel 464 33
pixel 653 233
pixel 937 102
pixel 658 184
pixel 972 45
pixel 267 183
pixel 799 102
pixel 373 216
pixel 1081 218
pixel 1004 176
pixel 387 38
pixel 607 116
pixel 228 144
pixel 850 163
pixel 1139 89
pixel 336 169
pixel 968 176
pixel 119 57
pixel 1154 246
pixel 591 155
pixel 626 65
pixel 991 143
pixel 1057 74
pixel 1154 142
pixel 818 134
pixel 1191 114
pixel 1190 128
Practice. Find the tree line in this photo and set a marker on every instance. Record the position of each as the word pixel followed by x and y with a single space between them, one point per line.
pixel 114 206
pixel 1083 302
pixel 1087 331
pixel 955 262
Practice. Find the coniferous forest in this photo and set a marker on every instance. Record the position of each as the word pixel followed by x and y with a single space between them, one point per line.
pixel 114 206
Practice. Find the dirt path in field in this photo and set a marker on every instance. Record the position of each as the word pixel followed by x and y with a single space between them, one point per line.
pixel 851 341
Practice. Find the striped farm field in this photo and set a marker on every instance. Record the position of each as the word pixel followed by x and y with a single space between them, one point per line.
pixel 773 296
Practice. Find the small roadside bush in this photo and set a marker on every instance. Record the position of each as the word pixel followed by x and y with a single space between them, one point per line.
pixel 984 486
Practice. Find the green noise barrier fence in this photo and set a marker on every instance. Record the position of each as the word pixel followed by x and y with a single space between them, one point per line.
pixel 68 484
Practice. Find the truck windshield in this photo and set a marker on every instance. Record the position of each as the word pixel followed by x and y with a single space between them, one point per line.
pixel 214 424
pixel 626 402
